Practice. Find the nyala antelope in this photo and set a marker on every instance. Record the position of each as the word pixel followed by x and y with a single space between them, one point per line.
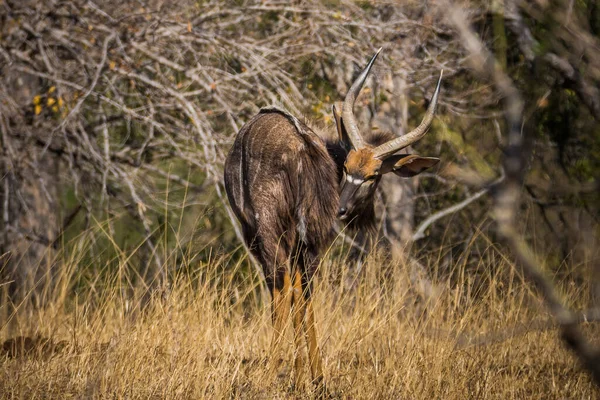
pixel 287 184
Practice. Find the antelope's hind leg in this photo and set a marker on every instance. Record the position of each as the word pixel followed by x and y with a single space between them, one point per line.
pixel 298 313
pixel 304 314
pixel 314 353
pixel 281 302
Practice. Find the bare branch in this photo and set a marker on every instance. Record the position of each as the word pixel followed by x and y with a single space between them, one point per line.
pixel 420 231
pixel 508 194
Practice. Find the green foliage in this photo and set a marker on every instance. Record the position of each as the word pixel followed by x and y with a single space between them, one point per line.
pixel 366 5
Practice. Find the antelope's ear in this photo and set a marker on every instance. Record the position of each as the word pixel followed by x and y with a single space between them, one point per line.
pixel 407 165
pixel 336 108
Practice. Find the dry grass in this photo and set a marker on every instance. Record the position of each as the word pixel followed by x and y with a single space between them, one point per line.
pixel 208 338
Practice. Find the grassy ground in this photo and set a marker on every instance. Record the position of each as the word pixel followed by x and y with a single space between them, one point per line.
pixel 208 337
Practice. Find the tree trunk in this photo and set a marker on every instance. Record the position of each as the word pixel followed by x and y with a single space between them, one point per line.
pixel 397 194
pixel 28 195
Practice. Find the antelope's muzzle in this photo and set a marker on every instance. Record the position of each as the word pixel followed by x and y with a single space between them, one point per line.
pixel 347 199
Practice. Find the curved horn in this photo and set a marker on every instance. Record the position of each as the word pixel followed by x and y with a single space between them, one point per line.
pixel 389 148
pixel 348 118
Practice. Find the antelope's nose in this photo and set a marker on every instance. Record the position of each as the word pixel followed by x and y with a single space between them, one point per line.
pixel 342 212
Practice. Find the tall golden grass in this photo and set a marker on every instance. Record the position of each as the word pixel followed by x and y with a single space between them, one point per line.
pixel 208 334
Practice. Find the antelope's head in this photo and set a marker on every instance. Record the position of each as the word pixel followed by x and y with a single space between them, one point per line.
pixel 365 164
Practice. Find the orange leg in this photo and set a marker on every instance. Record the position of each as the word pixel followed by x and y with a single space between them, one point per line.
pixel 280 311
pixel 298 312
pixel 314 354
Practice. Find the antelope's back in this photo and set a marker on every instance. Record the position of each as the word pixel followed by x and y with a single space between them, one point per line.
pixel 281 181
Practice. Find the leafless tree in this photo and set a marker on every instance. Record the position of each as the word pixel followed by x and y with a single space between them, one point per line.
pixel 100 98
pixel 507 195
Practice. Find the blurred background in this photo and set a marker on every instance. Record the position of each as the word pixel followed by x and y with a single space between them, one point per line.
pixel 116 118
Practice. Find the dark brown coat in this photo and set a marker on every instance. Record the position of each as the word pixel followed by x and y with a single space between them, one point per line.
pixel 282 184
pixel 286 186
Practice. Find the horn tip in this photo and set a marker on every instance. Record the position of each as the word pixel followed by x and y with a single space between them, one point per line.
pixel 373 58
pixel 439 82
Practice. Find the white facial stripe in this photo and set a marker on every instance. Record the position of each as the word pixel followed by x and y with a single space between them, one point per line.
pixel 355 181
